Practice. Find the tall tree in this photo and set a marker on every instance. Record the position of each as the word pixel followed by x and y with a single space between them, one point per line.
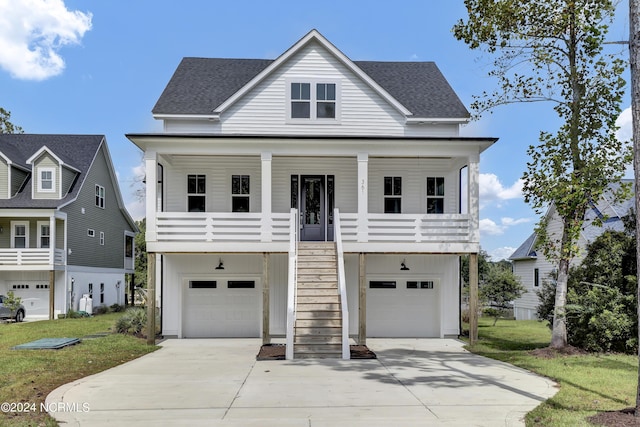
pixel 5 123
pixel 634 60
pixel 552 50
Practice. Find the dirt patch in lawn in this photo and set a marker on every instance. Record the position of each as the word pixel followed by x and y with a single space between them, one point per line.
pixel 277 352
pixel 550 353
pixel 622 418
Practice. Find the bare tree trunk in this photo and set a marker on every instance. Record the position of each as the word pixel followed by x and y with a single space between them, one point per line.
pixel 634 57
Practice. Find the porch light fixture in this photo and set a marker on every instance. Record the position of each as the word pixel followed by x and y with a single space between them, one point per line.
pixel 220 265
pixel 403 266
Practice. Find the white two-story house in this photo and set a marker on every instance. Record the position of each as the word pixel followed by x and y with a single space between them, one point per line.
pixel 272 177
pixel 64 230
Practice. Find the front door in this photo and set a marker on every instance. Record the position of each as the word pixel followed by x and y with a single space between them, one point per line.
pixel 312 208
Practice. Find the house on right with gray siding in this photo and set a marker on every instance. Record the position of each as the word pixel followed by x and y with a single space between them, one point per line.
pixel 533 268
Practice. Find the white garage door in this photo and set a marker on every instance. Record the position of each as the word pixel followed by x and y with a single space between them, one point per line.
pixel 34 295
pixel 403 308
pixel 221 308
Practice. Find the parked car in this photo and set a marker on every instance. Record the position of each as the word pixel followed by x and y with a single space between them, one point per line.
pixel 5 312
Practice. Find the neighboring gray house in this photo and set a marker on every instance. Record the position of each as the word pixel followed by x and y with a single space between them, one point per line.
pixel 530 264
pixel 273 175
pixel 64 230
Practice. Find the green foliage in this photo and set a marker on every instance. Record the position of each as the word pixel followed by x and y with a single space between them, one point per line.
pixel 132 322
pixel 116 308
pixel 553 51
pixel 12 302
pixel 601 299
pixel 140 273
pixel 5 123
pixel 499 288
pixel 483 266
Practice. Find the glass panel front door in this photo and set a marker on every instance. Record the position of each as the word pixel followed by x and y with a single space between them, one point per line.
pixel 312 209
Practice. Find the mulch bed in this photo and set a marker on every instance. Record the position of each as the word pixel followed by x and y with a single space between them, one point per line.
pixel 622 418
pixel 550 353
pixel 277 352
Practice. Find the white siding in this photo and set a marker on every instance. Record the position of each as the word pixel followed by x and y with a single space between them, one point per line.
pixel 414 173
pixel 362 110
pixel 218 171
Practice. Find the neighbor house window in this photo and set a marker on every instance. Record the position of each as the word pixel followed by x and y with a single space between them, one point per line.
pixel 20 234
pixel 44 235
pixel 435 195
pixel 128 246
pixel 102 238
pixel 91 232
pixel 101 293
pixel 313 100
pixel 45 181
pixel 100 196
pixel 240 193
pixel 196 189
pixel 392 194
pixel 536 277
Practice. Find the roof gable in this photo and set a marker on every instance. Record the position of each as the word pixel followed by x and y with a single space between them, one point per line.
pixel 205 87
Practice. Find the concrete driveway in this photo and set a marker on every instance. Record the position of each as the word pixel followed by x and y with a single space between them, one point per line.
pixel 218 382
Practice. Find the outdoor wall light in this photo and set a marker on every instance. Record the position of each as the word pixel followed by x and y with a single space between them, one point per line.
pixel 403 266
pixel 220 265
pixel 1 229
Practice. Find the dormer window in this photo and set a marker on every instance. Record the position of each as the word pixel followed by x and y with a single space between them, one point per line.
pixel 46 178
pixel 313 101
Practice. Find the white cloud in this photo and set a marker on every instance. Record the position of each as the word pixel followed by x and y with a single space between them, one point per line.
pixel 499 254
pixel 490 227
pixel 32 33
pixel 491 189
pixel 625 122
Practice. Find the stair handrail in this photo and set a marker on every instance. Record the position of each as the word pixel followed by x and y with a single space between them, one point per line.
pixel 342 285
pixel 292 282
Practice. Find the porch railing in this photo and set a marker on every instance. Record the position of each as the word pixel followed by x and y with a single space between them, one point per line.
pixel 342 287
pixel 31 256
pixel 220 226
pixel 408 228
pixel 293 286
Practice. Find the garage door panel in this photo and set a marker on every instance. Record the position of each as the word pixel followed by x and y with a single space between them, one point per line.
pixel 221 312
pixel 402 312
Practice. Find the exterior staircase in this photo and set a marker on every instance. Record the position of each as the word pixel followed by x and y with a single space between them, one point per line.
pixel 318 327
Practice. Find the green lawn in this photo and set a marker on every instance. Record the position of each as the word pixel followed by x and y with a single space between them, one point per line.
pixel 28 376
pixel 589 383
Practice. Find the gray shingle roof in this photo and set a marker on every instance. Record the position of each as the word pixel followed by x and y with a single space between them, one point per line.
pixel 77 151
pixel 200 85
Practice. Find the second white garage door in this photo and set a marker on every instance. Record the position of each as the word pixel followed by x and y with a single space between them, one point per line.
pixel 403 308
pixel 221 308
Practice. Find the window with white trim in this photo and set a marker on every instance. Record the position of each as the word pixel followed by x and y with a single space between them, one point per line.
pixel 196 190
pixel 392 194
pixel 102 238
pixel 91 232
pixel 46 178
pixel 240 193
pixel 313 100
pixel 44 234
pixel 435 195
pixel 100 196
pixel 19 234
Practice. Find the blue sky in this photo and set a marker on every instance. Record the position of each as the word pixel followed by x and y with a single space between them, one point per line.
pixel 95 66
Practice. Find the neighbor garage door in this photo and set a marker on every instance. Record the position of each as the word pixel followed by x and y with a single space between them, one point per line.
pixel 221 308
pixel 34 295
pixel 403 308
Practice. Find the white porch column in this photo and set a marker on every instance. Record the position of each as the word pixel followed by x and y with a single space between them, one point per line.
pixel 52 240
pixel 151 169
pixel 266 232
pixel 473 189
pixel 363 197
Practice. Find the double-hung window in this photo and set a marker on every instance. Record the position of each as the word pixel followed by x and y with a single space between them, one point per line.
pixel 46 180
pixel 100 196
pixel 44 235
pixel 240 193
pixel 392 194
pixel 313 100
pixel 20 234
pixel 435 195
pixel 196 190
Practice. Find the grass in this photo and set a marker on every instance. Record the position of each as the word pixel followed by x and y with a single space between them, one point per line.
pixel 28 376
pixel 589 383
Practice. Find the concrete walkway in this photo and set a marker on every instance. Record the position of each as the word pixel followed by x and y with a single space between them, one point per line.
pixel 218 382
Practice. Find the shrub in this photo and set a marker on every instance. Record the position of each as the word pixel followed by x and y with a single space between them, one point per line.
pixel 101 309
pixel 116 308
pixel 132 321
